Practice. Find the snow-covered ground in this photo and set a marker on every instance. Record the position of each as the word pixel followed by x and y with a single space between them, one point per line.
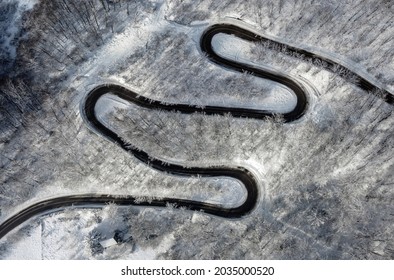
pixel 28 248
pixel 64 236
pixel 322 195
pixel 11 12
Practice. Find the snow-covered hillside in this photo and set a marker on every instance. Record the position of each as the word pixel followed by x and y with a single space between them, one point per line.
pixel 326 180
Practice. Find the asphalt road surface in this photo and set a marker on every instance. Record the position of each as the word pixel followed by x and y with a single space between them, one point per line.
pixel 240 173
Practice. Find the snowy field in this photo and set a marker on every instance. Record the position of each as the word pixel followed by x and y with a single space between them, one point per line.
pixel 326 180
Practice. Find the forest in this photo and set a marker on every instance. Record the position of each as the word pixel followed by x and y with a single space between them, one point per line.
pixel 326 180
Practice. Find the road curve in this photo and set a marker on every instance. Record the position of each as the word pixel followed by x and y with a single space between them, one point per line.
pixel 242 174
pixel 248 35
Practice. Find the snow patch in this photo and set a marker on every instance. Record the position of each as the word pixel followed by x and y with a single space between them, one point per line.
pixel 28 248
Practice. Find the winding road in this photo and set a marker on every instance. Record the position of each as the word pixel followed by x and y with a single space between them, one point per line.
pixel 240 173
